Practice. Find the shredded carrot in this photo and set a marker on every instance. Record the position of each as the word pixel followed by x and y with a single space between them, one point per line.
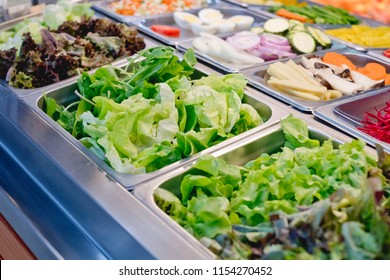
pixel 290 15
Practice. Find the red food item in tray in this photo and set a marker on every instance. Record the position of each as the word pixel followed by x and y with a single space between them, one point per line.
pixel 378 125
pixel 166 30
pixel 387 53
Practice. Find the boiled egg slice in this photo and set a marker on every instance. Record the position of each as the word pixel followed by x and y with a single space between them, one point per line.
pixel 184 19
pixel 224 26
pixel 209 15
pixel 242 22
pixel 198 28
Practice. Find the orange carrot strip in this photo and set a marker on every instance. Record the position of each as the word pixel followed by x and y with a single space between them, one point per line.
pixel 287 14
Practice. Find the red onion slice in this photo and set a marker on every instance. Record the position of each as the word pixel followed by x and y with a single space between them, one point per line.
pixel 275 39
pixel 244 40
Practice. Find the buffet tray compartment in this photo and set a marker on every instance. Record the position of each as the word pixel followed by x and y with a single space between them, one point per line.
pixel 258 77
pixel 270 112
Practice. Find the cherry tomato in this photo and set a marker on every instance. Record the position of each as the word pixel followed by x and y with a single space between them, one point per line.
pixel 166 30
pixel 387 53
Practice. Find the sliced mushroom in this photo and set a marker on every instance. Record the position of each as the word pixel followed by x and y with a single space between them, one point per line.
pixel 309 63
pixel 338 83
pixel 365 81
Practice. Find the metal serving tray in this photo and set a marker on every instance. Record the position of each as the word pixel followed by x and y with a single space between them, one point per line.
pixel 379 54
pixel 22 93
pixel 227 10
pixel 230 67
pixel 64 94
pixel 347 114
pixel 269 140
pixel 257 78
pixel 102 6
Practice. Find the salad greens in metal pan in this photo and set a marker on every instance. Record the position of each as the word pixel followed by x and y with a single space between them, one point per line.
pixel 310 199
pixel 156 112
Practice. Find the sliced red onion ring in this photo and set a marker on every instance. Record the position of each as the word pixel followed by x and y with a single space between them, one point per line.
pixel 275 39
pixel 268 53
pixel 271 45
pixel 244 40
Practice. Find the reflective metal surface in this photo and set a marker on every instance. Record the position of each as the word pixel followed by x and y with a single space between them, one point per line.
pixel 76 210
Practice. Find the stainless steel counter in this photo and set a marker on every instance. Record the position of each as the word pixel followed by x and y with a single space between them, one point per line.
pixel 64 206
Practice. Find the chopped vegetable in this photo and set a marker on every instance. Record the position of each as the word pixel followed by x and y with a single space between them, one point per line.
pixel 316 14
pixel 376 37
pixel 166 30
pixel 387 53
pixel 306 201
pixel 377 125
pixel 290 15
pixel 153 7
pixel 156 113
pixel 63 53
pixel 276 25
pixel 373 70
pixel 303 42
pixel 53 16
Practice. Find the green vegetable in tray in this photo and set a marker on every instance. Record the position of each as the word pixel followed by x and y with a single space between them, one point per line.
pixel 307 201
pixel 320 14
pixel 155 112
pixel 53 16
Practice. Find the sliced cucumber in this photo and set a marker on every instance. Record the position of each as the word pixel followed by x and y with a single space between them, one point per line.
pixel 303 42
pixel 257 29
pixel 319 36
pixel 276 25
pixel 326 42
pixel 298 28
pixel 294 22
pixel 313 33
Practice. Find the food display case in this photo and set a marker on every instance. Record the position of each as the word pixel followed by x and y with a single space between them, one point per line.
pixel 60 200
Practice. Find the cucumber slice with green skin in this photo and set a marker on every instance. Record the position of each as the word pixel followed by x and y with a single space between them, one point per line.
pixel 298 28
pixel 320 37
pixel 257 29
pixel 276 25
pixel 324 38
pixel 294 23
pixel 303 42
pixel 313 33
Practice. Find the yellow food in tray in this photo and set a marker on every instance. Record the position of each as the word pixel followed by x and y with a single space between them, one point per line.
pixel 375 37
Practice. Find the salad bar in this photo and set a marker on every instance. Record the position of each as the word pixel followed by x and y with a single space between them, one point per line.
pixel 195 130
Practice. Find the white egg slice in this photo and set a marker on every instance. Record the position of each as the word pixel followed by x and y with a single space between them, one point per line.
pixel 209 15
pixel 242 22
pixel 198 28
pixel 224 26
pixel 184 19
